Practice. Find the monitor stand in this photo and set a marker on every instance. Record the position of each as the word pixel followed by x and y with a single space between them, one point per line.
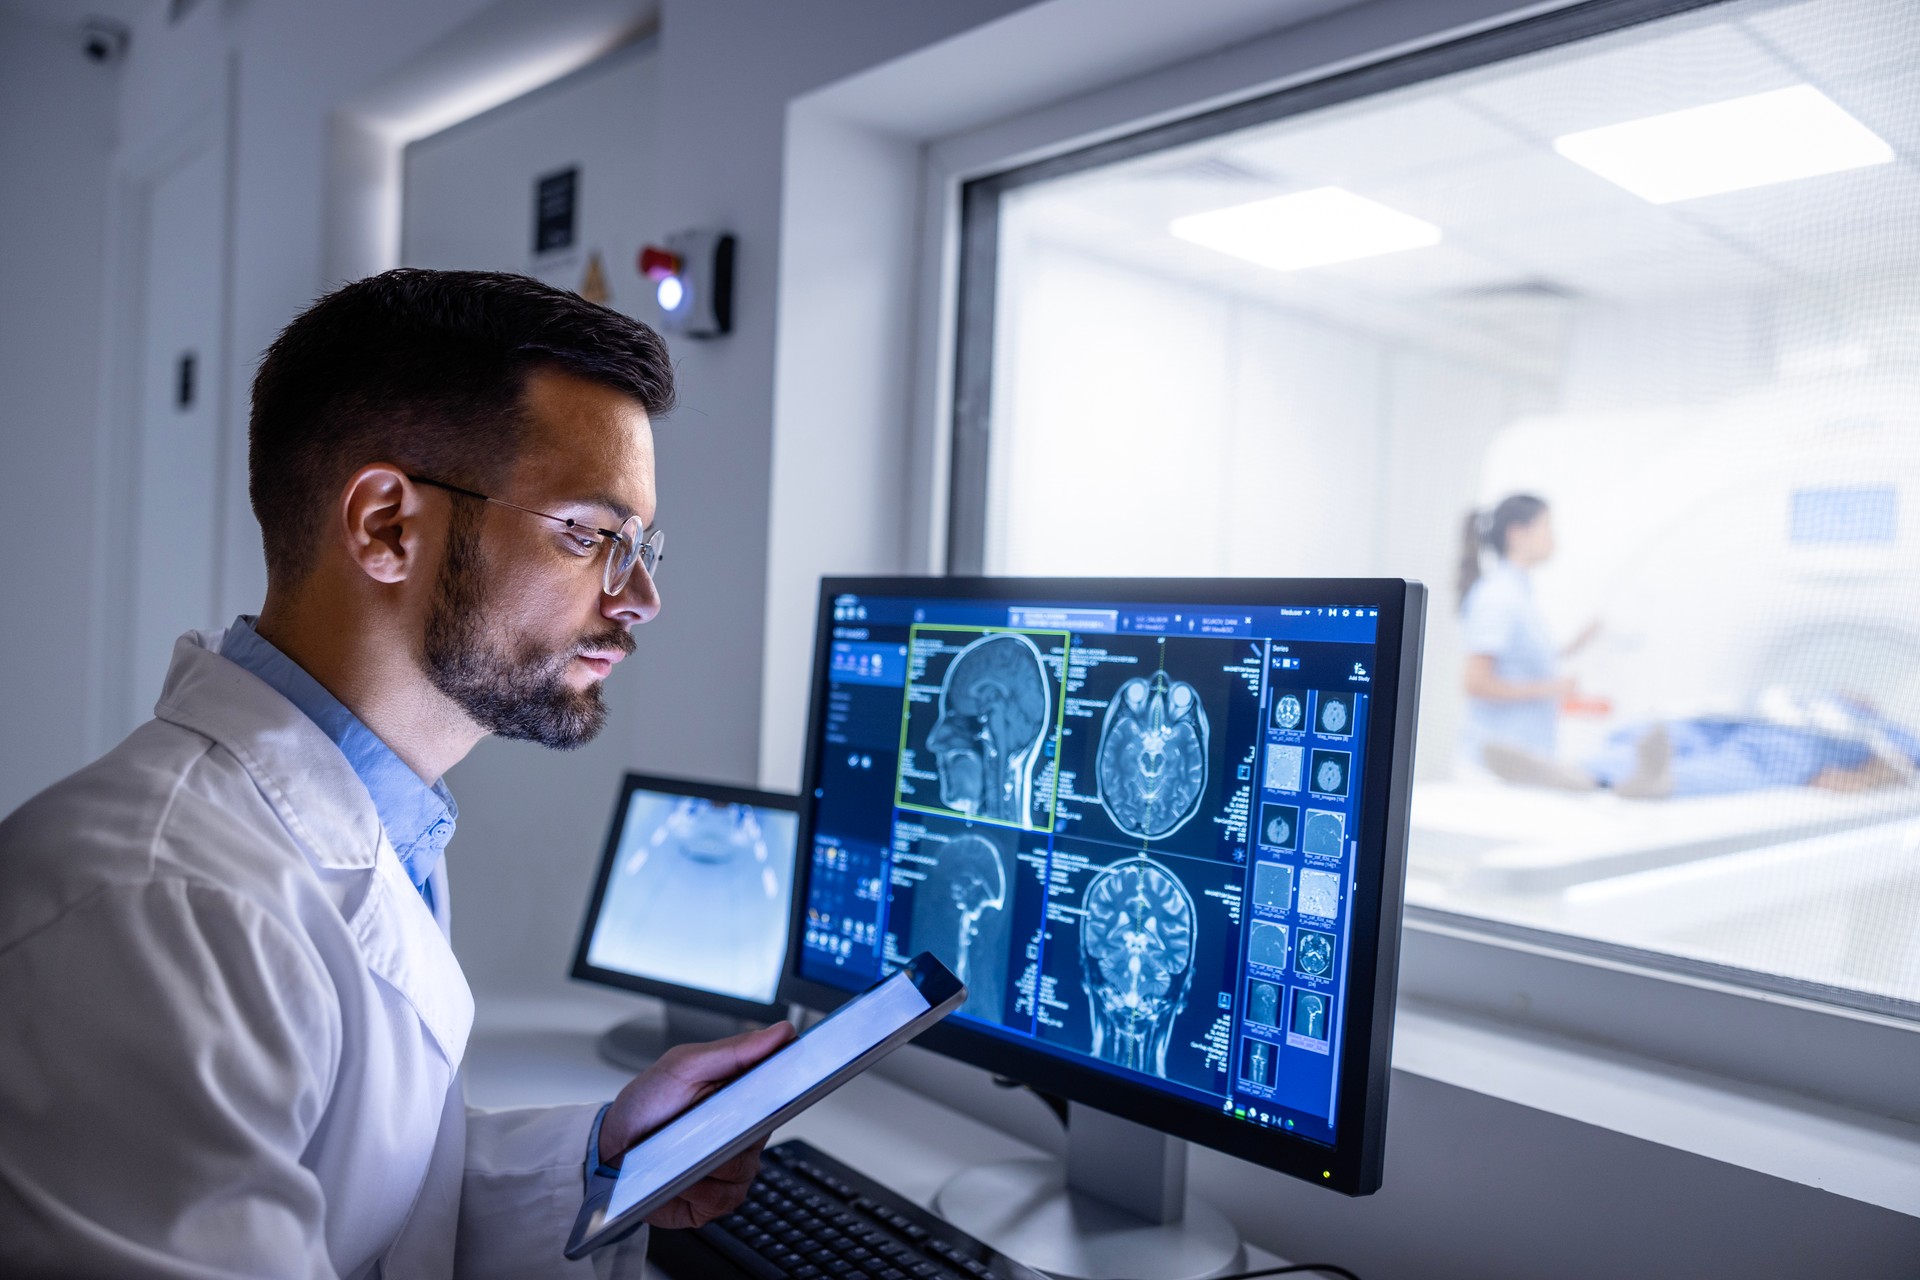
pixel 633 1045
pixel 1117 1207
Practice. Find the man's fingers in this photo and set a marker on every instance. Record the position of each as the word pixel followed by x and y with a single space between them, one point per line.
pixel 720 1060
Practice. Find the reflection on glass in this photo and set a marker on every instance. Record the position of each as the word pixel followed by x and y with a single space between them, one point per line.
pixel 1656 448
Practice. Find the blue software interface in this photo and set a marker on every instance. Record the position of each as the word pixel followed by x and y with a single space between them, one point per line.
pixel 1129 828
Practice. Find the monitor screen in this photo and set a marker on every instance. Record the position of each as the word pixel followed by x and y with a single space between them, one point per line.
pixel 1145 827
pixel 693 896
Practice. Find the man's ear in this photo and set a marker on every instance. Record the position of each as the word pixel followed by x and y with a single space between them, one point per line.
pixel 382 514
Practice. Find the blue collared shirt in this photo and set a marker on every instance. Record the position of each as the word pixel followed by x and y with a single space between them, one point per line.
pixel 418 818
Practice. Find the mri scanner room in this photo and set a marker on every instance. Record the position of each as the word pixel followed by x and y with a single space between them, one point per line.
pixel 1245 558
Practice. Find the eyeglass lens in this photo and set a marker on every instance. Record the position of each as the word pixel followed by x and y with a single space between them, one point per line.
pixel 631 549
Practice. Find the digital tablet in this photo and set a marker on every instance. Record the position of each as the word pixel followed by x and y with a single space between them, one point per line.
pixel 748 1108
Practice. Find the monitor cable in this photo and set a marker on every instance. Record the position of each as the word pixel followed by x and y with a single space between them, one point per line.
pixel 1298 1268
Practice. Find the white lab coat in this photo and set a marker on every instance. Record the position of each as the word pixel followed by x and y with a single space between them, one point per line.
pixel 233 1029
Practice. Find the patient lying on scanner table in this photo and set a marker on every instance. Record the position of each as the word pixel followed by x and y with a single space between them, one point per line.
pixel 1830 742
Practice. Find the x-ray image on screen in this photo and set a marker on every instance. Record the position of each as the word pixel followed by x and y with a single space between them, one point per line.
pixel 1309 1015
pixel 1333 715
pixel 1289 710
pixel 1157 731
pixel 1279 826
pixel 697 896
pixel 1267 944
pixel 1256 1062
pixel 1284 767
pixel 1263 1004
pixel 957 886
pixel 1313 954
pixel 981 715
pixel 1272 885
pixel 1324 833
pixel 1327 773
pixel 1139 960
pixel 1320 894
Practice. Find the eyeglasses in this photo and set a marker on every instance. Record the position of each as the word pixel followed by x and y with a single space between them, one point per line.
pixel 627 546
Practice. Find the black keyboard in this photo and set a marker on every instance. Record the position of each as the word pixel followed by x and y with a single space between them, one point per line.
pixel 808 1216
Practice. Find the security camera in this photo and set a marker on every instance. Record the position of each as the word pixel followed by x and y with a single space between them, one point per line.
pixel 103 40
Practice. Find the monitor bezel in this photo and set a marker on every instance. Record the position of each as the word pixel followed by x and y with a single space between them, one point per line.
pixel 693 997
pixel 1353 1163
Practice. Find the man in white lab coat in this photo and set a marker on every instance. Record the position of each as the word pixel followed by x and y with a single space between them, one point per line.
pixel 234 1025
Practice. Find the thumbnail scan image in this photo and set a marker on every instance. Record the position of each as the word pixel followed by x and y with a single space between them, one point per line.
pixel 1263 1003
pixel 1136 946
pixel 1309 1014
pixel 1313 953
pixel 1329 772
pixel 1333 714
pixel 1324 834
pixel 1289 710
pixel 698 895
pixel 1320 894
pixel 1284 767
pixel 1153 756
pixel 962 908
pixel 980 737
pixel 1272 885
pixel 1267 944
pixel 1256 1062
pixel 1279 825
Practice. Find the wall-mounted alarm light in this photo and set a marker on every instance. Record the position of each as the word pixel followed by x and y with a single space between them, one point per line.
pixel 693 282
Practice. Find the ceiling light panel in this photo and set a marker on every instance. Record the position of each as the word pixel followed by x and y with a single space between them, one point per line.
pixel 1753 141
pixel 1306 229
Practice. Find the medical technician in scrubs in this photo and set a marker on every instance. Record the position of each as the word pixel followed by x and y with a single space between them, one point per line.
pixel 234 1024
pixel 1513 680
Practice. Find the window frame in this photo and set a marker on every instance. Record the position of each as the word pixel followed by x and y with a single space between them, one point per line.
pixel 1830 1045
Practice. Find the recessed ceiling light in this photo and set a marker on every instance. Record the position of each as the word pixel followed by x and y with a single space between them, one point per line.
pixel 1727 146
pixel 1307 229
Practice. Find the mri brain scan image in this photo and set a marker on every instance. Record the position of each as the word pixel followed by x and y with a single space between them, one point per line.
pixel 1272 885
pixel 1313 953
pixel 1289 710
pixel 1136 954
pixel 1329 772
pixel 1284 765
pixel 1324 833
pixel 994 713
pixel 1309 1015
pixel 1279 825
pixel 1335 717
pixel 1268 945
pixel 960 914
pixel 1152 757
pixel 1263 1004
pixel 1320 894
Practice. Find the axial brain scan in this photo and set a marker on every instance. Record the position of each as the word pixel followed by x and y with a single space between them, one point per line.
pixel 1330 772
pixel 1136 954
pixel 1313 954
pixel 994 712
pixel 1336 714
pixel 1152 758
pixel 1289 712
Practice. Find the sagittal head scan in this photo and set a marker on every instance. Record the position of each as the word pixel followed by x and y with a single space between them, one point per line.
pixel 1136 955
pixel 994 713
pixel 976 883
pixel 1153 756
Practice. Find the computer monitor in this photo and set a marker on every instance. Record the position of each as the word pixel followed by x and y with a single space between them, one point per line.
pixel 693 896
pixel 1158 827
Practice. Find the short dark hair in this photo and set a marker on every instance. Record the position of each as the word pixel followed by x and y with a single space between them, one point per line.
pixel 424 369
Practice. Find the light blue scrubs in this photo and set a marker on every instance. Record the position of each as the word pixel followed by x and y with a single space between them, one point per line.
pixel 1723 756
pixel 1500 620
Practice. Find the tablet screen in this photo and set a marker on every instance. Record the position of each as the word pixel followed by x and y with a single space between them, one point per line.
pixel 745 1104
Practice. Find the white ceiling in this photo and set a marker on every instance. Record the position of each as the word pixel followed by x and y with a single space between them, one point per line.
pixel 71 13
pixel 1527 231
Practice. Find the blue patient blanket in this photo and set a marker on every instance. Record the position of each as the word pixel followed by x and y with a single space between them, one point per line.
pixel 1719 756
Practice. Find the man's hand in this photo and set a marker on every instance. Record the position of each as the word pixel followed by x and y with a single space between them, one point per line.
pixel 683 1076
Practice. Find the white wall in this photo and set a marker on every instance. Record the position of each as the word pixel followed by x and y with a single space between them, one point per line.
pixel 57 116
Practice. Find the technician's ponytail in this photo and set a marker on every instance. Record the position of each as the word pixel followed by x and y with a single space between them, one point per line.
pixel 1489 529
pixel 1470 539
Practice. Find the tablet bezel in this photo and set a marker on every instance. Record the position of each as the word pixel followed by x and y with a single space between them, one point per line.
pixel 937 984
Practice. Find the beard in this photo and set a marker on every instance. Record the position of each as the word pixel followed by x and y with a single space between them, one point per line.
pixel 518 692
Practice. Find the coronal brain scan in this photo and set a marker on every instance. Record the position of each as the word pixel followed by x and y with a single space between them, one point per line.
pixel 1152 757
pixel 1279 825
pixel 1267 944
pixel 1289 710
pixel 1309 1015
pixel 1256 1064
pixel 1324 834
pixel 1283 767
pixel 1335 714
pixel 1319 894
pixel 995 709
pixel 1329 772
pixel 1263 1004
pixel 960 914
pixel 1272 885
pixel 1313 953
pixel 1136 951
